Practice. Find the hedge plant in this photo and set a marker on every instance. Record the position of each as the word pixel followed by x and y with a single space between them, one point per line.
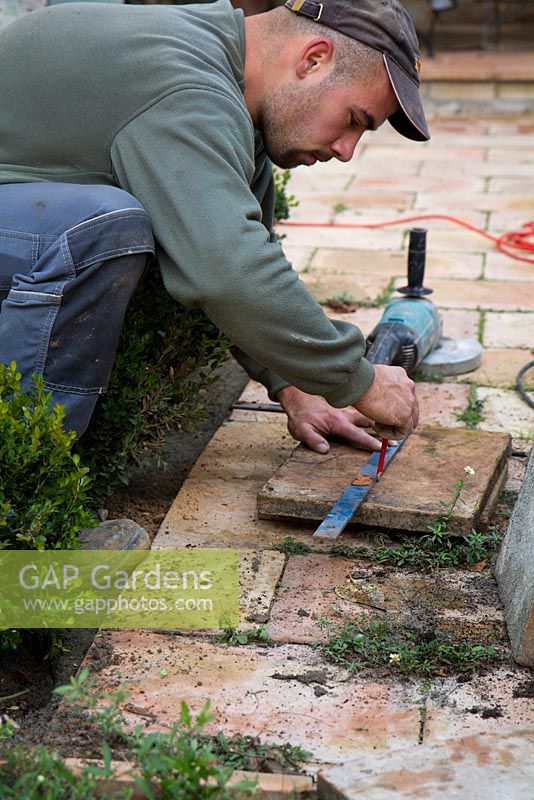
pixel 43 487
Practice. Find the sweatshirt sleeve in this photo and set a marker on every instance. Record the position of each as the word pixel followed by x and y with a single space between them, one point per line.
pixel 189 159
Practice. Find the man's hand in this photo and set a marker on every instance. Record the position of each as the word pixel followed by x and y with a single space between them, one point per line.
pixel 310 418
pixel 390 402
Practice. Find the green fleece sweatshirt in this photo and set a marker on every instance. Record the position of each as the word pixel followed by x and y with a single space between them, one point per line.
pixel 150 98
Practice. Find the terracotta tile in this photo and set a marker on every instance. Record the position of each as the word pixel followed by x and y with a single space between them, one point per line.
pixel 460 324
pixel 364 318
pixel 392 195
pixel 483 294
pixel 397 171
pixel 515 91
pixel 439 403
pixel 518 155
pixel 423 183
pixel 456 90
pixel 449 702
pixel 523 205
pixel 351 717
pixel 499 369
pixel 478 65
pixel 315 571
pixel 504 410
pixel 510 185
pixel 271 418
pixel 339 260
pixel 460 264
pixel 419 218
pixel 219 514
pixel 243 451
pixel 423 152
pixel 357 288
pixel 509 330
pixel 342 237
pixel 485 168
pixel 478 766
pixel 509 221
pixel 260 572
pixel 466 605
pixel 312 210
pixel 305 180
pixel 296 614
pixel 453 240
pixel 480 139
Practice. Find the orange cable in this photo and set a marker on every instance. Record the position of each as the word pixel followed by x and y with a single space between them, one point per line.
pixel 515 240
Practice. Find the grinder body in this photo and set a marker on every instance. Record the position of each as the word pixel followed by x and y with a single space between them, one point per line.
pixel 410 326
pixel 409 329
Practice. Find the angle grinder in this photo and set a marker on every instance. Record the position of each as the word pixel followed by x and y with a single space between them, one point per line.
pixel 409 334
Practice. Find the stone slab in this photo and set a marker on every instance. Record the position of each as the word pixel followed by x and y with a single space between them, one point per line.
pixel 413 490
pixel 258 691
pixel 475 767
pixel 515 571
pixel 115 534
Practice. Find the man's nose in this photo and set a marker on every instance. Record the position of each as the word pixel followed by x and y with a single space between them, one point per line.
pixel 343 148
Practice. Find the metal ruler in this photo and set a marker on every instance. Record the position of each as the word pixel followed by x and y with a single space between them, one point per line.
pixel 341 513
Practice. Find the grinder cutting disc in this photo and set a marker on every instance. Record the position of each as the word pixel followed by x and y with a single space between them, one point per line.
pixel 452 357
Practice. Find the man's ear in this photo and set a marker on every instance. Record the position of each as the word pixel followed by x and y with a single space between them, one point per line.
pixel 314 57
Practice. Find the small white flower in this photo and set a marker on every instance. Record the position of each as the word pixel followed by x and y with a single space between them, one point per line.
pixel 40 779
pixel 469 470
pixel 394 658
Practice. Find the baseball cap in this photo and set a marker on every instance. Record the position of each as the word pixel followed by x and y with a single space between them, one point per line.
pixel 386 26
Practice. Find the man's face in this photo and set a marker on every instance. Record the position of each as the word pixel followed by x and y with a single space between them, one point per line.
pixel 304 123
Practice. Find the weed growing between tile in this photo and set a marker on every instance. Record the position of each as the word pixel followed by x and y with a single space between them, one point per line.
pixel 233 636
pixel 472 416
pixel 248 753
pixel 345 303
pixel 292 547
pixel 411 652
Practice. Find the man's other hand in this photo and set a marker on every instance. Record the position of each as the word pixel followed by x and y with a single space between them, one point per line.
pixel 310 419
pixel 390 402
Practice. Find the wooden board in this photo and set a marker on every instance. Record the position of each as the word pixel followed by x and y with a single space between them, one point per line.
pixel 414 490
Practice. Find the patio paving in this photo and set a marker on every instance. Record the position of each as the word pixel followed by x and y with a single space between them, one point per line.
pixel 478 173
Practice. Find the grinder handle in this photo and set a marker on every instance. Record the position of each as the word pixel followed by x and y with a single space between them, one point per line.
pixel 416 258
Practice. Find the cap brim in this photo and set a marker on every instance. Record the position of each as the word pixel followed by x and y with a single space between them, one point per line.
pixel 410 119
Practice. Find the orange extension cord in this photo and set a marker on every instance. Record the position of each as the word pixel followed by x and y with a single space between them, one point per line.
pixel 521 240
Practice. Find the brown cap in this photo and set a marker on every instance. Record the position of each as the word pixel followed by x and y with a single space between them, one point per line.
pixel 386 26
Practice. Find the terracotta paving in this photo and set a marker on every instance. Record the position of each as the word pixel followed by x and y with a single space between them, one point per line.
pixel 480 170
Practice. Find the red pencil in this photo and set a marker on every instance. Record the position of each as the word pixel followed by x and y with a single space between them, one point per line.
pixel 381 459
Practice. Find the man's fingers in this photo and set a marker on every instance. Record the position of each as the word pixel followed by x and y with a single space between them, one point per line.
pixel 359 419
pixel 307 434
pixel 355 436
